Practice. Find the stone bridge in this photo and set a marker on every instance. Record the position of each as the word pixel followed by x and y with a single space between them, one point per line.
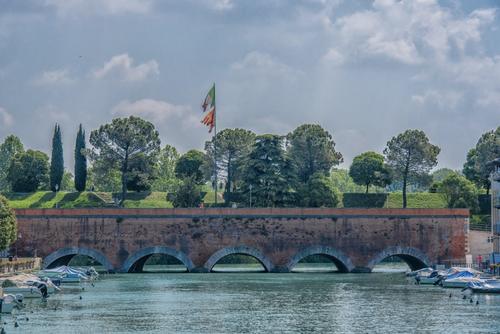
pixel 355 239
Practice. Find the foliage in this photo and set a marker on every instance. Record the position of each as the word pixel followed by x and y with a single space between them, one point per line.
pixel 28 171
pixel 227 150
pixel 312 149
pixel 57 160
pixel 364 200
pixel 484 202
pixel 67 183
pixel 10 147
pixel 190 165
pixel 188 194
pixel 80 161
pixel 411 156
pixel 8 224
pixel 319 192
pixel 166 179
pixel 369 169
pixel 269 172
pixel 119 143
pixel 343 182
pixel 441 174
pixel 477 167
pixel 105 179
pixel 459 192
pixel 141 173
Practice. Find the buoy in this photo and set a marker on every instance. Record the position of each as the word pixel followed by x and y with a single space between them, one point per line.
pixel 449 296
pixel 3 331
pixel 464 297
pixel 27 319
pixel 471 300
pixel 80 297
pixel 16 324
pixel 477 302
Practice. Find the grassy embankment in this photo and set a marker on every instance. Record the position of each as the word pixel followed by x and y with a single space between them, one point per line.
pixel 47 199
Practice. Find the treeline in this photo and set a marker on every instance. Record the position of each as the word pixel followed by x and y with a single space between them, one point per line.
pixel 296 169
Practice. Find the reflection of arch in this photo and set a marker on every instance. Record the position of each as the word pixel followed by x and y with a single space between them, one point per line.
pixel 342 262
pixel 136 261
pixel 266 263
pixel 64 255
pixel 412 256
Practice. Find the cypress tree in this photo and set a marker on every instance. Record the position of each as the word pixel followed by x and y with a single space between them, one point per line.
pixel 57 160
pixel 80 161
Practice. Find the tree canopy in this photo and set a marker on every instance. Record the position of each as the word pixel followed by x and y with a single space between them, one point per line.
pixel 57 160
pixel 118 144
pixel 8 224
pixel 28 171
pixel 312 150
pixel 319 192
pixel 269 173
pixel 369 169
pixel 190 165
pixel 80 161
pixel 166 180
pixel 410 156
pixel 11 146
pixel 459 192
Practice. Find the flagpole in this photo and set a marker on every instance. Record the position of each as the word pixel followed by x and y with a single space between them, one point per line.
pixel 215 146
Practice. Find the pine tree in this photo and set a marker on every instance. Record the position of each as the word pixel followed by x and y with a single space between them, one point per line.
pixel 80 161
pixel 57 160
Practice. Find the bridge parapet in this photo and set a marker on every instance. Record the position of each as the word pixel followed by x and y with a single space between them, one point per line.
pixel 356 239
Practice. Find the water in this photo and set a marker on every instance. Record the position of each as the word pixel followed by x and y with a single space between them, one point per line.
pixel 383 302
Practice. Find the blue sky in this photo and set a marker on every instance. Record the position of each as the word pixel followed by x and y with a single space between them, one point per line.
pixel 364 70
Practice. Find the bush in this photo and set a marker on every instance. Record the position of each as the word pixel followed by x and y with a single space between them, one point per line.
pixel 8 224
pixel 362 200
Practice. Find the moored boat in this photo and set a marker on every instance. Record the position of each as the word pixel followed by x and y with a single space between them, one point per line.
pixel 10 302
pixel 485 286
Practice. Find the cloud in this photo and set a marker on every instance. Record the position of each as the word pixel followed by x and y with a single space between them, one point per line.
pixel 263 63
pixel 154 110
pixel 6 119
pixel 334 57
pixel 123 67
pixel 408 31
pixel 72 8
pixel 222 5
pixel 441 99
pixel 52 113
pixel 53 78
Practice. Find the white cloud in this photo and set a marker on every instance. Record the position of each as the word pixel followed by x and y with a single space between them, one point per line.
pixel 263 63
pixel 53 78
pixel 223 5
pixel 154 110
pixel 334 57
pixel 52 113
pixel 6 118
pixel 442 99
pixel 123 67
pixel 73 8
pixel 409 31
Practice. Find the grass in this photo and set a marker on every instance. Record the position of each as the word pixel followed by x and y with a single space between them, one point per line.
pixel 48 199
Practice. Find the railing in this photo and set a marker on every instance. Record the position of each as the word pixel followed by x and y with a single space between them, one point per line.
pixel 22 264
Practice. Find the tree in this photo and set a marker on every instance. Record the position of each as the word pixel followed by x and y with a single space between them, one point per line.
pixel 80 161
pixel 487 149
pixel 10 147
pixel 369 169
pixel 342 181
pixel 319 192
pixel 312 150
pixel 103 179
pixel 269 172
pixel 8 224
pixel 469 168
pixel 410 156
pixel 28 171
pixel 57 160
pixel 68 182
pixel 166 180
pixel 441 174
pixel 227 150
pixel 188 194
pixel 118 144
pixel 459 192
pixel 141 174
pixel 190 165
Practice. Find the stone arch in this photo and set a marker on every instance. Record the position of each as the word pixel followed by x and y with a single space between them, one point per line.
pixel 64 255
pixel 144 253
pixel 341 260
pixel 414 257
pixel 245 250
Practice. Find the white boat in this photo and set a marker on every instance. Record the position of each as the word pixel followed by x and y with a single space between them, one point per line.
pixel 70 275
pixel 459 277
pixel 429 278
pixel 459 282
pixel 9 302
pixel 486 286
pixel 420 272
pixel 25 290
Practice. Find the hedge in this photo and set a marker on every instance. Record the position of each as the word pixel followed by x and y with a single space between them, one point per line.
pixel 362 200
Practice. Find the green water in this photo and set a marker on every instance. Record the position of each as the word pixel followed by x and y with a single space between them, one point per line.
pixel 383 302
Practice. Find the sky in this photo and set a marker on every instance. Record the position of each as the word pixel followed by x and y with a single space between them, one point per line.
pixel 364 70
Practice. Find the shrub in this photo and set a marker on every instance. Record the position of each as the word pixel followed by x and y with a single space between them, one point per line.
pixel 363 200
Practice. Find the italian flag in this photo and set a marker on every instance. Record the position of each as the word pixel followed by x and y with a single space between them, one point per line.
pixel 208 106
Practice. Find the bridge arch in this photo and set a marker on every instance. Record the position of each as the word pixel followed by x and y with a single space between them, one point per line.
pixel 64 255
pixel 413 257
pixel 341 261
pixel 244 250
pixel 140 257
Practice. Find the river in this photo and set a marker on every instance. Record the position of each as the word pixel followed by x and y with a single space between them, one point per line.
pixel 382 302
